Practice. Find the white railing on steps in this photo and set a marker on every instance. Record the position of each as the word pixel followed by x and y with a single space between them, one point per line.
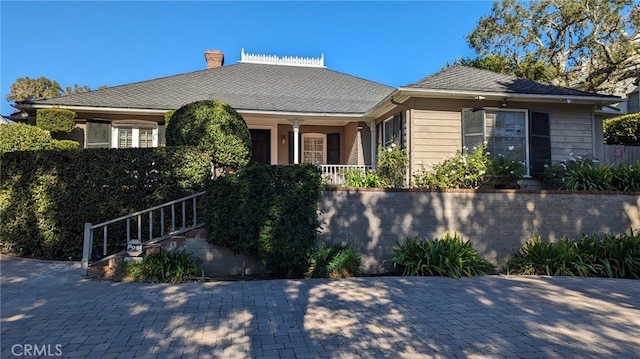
pixel 155 233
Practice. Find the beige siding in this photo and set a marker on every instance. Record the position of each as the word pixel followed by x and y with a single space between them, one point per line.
pixel 572 129
pixel 436 134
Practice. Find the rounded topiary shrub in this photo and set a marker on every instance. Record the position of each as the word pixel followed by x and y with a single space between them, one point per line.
pixel 56 119
pixel 215 126
pixel 23 137
pixel 622 130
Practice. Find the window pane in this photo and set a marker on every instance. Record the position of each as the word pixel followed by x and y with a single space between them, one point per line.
pixel 145 137
pixel 506 134
pixel 98 134
pixel 388 131
pixel 313 149
pixel 125 138
pixel 473 128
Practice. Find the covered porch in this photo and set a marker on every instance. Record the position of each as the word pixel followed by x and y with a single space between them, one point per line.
pixel 335 145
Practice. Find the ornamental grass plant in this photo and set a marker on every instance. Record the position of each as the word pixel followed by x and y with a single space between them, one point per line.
pixel 448 256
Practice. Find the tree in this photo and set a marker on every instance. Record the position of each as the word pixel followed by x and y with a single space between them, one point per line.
pixel 212 125
pixel 587 43
pixel 28 89
pixel 529 67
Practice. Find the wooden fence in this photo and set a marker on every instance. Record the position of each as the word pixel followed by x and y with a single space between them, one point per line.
pixel 615 155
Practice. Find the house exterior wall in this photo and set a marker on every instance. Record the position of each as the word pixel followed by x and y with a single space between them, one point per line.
pixel 436 128
pixel 497 223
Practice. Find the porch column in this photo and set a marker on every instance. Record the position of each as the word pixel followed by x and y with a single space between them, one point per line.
pixel 296 141
pixel 374 150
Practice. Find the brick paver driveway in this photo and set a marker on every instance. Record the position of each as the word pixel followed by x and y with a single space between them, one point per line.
pixel 49 309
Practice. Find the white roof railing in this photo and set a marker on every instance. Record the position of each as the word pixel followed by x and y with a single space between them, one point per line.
pixel 284 60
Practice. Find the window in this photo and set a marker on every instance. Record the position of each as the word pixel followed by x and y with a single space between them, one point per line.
pixel 125 137
pixel 132 136
pixel 98 134
pixel 145 138
pixel 505 132
pixel 392 130
pixel 313 148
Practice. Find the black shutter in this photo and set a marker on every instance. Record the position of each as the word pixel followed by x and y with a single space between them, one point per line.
pixel 539 142
pixel 333 149
pixel 291 148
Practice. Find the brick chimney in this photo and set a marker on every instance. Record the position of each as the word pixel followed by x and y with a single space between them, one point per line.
pixel 215 58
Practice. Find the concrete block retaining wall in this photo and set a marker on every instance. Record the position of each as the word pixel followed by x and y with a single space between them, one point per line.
pixel 498 223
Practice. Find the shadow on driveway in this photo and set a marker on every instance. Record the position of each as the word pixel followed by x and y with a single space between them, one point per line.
pixel 50 303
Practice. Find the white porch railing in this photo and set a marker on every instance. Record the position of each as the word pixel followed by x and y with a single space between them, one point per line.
pixel 186 206
pixel 334 174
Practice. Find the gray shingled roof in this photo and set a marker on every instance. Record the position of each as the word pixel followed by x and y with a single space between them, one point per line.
pixel 463 78
pixel 244 86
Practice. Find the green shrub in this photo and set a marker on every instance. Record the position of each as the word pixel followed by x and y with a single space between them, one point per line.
pixel 591 256
pixel 335 261
pixel 391 165
pixel 539 257
pixel 580 173
pixel 47 196
pixel 626 178
pixel 622 130
pixel 449 256
pixel 613 256
pixel 56 119
pixel 23 137
pixel 167 117
pixel 212 125
pixel 462 170
pixel 357 178
pixel 587 176
pixel 167 266
pixel 65 145
pixel 506 172
pixel 269 212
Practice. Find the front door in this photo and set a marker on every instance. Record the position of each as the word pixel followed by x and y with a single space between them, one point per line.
pixel 261 147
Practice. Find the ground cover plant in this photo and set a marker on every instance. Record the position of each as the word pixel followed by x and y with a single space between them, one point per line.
pixel 448 256
pixel 601 255
pixel 335 261
pixel 166 266
pixel 584 173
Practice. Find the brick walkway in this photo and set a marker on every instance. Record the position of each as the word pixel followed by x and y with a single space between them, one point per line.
pixel 49 307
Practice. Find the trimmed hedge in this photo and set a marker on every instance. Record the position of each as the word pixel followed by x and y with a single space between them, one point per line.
pixel 622 130
pixel 269 212
pixel 47 196
pixel 56 119
pixel 23 137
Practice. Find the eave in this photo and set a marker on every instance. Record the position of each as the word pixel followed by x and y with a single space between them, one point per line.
pixel 401 94
pixel 140 111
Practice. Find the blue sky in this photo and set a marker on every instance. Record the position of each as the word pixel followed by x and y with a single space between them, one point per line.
pixel 111 43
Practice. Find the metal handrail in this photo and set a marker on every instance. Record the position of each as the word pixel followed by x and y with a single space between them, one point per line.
pixel 89 227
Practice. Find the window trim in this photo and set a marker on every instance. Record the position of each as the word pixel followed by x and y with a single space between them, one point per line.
pixel 484 129
pixel 322 136
pixel 135 134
